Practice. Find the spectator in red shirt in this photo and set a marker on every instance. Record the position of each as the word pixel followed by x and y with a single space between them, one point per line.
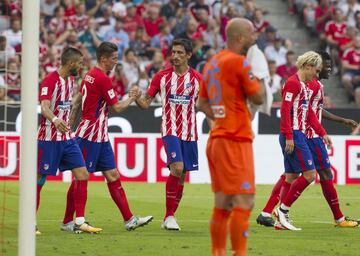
pixel 119 81
pixel 152 22
pixel 289 68
pixel 323 14
pixel 259 23
pixel 132 20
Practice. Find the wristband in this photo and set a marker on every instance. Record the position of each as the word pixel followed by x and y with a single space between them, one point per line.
pixel 54 119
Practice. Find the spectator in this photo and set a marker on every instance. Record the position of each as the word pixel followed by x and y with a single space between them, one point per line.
pixel 190 30
pixel 323 14
pixel 6 52
pixel 225 17
pixel 119 81
pixel 156 64
pixel 132 20
pixel 3 96
pixel 152 22
pixel 80 20
pixel 130 68
pixel 179 24
pixel 168 10
pixel 47 8
pixel 12 80
pixel 118 36
pixel 197 6
pixel 208 55
pixel 106 22
pixel 90 38
pixel 276 52
pixel 266 39
pixel 259 23
pixel 289 68
pixel 139 45
pixel 70 7
pixel 351 69
pixel 212 36
pixel 59 23
pixel 14 34
pixel 349 9
pixel 274 81
pixel 163 39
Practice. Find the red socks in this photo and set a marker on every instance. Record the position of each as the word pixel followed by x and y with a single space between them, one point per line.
pixel 80 197
pixel 218 231
pixel 179 195
pixel 284 190
pixel 118 195
pixel 70 206
pixel 38 190
pixel 297 187
pixel 172 188
pixel 330 194
pixel 275 195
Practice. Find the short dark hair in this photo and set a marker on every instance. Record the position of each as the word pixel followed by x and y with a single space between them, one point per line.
pixel 185 43
pixel 70 53
pixel 105 49
pixel 324 55
pixel 290 52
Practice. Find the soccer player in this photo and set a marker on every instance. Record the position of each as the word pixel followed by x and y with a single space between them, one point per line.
pixel 319 154
pixel 57 149
pixel 296 115
pixel 178 87
pixel 227 86
pixel 95 97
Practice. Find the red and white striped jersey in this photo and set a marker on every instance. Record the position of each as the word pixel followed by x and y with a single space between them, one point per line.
pixel 316 95
pixel 295 111
pixel 178 95
pixel 97 94
pixel 59 92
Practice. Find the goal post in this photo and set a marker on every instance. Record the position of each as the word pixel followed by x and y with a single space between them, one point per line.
pixel 28 139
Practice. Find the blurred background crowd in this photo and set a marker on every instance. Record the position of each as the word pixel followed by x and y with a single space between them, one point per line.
pixel 144 30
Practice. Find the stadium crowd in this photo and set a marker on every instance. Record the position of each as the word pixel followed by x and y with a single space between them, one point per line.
pixel 337 24
pixel 143 31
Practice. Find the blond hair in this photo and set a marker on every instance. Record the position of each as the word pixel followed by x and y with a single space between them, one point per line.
pixel 309 58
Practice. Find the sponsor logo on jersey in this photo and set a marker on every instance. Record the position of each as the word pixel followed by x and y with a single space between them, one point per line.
pixel 310 162
pixel 219 111
pixel 89 79
pixel 173 154
pixel 46 166
pixel 179 99
pixel 288 96
pixel 111 93
pixel 44 91
pixel 64 105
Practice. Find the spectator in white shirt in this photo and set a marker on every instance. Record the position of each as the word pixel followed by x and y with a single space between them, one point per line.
pixel 14 34
pixel 276 52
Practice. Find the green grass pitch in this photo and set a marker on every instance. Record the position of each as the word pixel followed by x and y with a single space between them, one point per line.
pixel 310 212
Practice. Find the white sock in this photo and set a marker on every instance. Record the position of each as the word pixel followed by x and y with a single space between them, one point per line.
pixel 340 220
pixel 266 214
pixel 79 220
pixel 284 207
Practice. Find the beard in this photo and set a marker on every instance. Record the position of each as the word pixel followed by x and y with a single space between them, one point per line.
pixel 74 72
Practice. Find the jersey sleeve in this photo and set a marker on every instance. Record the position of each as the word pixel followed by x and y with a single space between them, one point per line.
pixel 289 92
pixel 248 81
pixel 154 87
pixel 47 87
pixel 108 92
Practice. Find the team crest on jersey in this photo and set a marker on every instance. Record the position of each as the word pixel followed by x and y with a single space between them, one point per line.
pixel 245 185
pixel 310 162
pixel 46 166
pixel 90 164
pixel 288 96
pixel 44 91
pixel 173 154
pixel 89 79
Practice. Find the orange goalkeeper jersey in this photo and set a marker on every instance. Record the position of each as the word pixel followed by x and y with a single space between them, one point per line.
pixel 227 81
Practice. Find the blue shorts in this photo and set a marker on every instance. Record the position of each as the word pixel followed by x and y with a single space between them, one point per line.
pixel 62 155
pixel 98 157
pixel 319 153
pixel 181 151
pixel 300 159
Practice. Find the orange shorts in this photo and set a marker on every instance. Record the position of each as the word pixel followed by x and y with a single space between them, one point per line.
pixel 231 165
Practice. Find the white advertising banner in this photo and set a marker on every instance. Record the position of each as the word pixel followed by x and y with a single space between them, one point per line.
pixel 141 157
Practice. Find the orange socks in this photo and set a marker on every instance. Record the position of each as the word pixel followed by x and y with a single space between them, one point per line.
pixel 218 230
pixel 239 230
